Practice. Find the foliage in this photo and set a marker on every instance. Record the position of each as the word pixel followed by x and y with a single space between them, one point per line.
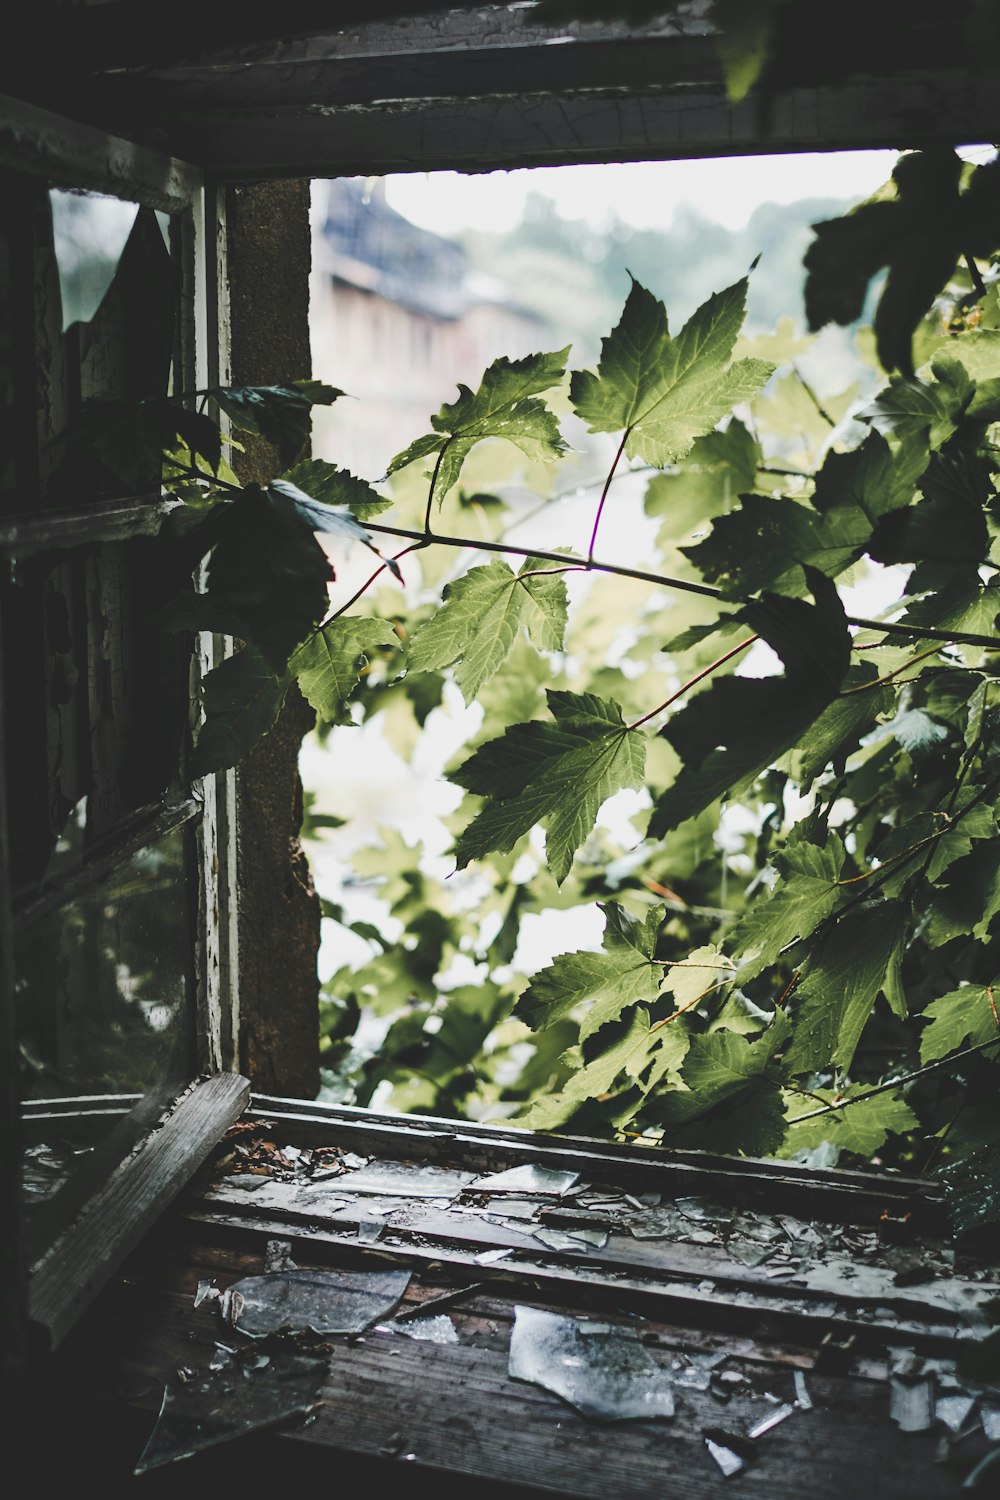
pixel 800 918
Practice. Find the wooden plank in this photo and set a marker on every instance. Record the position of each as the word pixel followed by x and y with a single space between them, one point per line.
pixel 565 1278
pixel 839 1194
pixel 112 1223
pixel 25 533
pixel 423 1412
pixel 73 155
pixel 619 124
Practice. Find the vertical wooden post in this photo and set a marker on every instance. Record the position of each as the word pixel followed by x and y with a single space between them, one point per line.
pixel 269 259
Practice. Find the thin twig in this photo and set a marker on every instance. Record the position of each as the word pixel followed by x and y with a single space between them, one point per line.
pixel 604 494
pixel 692 681
pixel 897 1083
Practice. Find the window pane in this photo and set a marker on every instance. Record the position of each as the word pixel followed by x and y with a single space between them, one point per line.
pixel 104 993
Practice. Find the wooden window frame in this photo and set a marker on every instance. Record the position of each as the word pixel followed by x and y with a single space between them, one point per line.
pixel 80 1237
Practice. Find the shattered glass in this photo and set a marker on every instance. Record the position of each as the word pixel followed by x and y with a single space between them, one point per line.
pixel 728 1461
pixel 403 1180
pixel 242 1392
pixel 604 1372
pixel 527 1178
pixel 435 1330
pixel 911 1403
pixel 325 1301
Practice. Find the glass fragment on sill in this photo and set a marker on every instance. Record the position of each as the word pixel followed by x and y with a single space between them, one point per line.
pixel 605 1372
pixel 696 1373
pixel 954 1410
pixel 729 1462
pixel 771 1420
pixel 207 1290
pixel 437 1329
pixel 564 1239
pixel 911 1404
pixel 528 1178
pixel 241 1392
pixel 278 1256
pixel 490 1257
pixel 403 1180
pixel 990 1418
pixel 369 1231
pixel 323 1301
pixel 803 1400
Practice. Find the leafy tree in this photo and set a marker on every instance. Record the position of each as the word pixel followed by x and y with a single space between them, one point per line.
pixel 801 934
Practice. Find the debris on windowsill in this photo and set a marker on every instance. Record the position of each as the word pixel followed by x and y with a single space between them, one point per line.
pixel 603 1371
pixel 207 1292
pixel 326 1302
pixel 781 1414
pixel 803 1399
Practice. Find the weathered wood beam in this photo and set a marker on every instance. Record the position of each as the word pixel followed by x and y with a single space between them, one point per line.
pixel 114 1220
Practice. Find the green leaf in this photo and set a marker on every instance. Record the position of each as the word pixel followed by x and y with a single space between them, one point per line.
pixel 727 1075
pixel 968 897
pixel 839 728
pixel 665 392
pixel 332 486
pixel 279 413
pixel 505 406
pixel 242 698
pixel 329 664
pixel 841 984
pixel 559 773
pixel 729 734
pixel 268 568
pixel 928 411
pixel 607 982
pixel 767 539
pixel 479 619
pixel 862 1129
pixel 806 895
pixel 719 468
pixel 964 1016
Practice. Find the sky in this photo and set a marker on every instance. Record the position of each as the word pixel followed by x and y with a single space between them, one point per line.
pixel 725 190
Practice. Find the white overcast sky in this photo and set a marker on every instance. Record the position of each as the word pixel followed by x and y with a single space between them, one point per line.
pixel 645 194
pixel 725 190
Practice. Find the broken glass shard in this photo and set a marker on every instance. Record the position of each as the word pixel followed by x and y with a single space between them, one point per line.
pixel 490 1257
pixel 370 1230
pixel 435 1330
pixel 564 1239
pixel 403 1180
pixel 205 1290
pixel 728 1461
pixel 236 1396
pixel 990 1418
pixel 325 1301
pixel 771 1420
pixel 954 1410
pixel 803 1400
pixel 528 1178
pixel 911 1404
pixel 604 1372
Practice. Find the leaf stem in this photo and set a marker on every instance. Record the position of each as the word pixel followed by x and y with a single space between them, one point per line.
pixel 896 1083
pixel 430 494
pixel 693 681
pixel 604 496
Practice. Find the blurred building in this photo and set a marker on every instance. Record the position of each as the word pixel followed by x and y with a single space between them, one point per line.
pixel 399 317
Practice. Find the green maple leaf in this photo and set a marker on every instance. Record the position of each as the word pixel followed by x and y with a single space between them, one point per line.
pixel 967 898
pixel 766 541
pixel 479 619
pixel 964 1016
pixel 504 406
pixel 279 413
pixel 268 569
pixel 332 486
pixel 841 984
pixel 329 664
pixel 242 698
pixel 720 466
pixel 729 734
pixel 610 981
pixel 862 1129
pixel 926 410
pixel 665 392
pixel 807 893
pixel 730 1101
pixel 560 773
pixel 840 727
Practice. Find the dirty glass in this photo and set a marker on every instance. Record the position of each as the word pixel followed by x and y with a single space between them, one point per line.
pixel 103 990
